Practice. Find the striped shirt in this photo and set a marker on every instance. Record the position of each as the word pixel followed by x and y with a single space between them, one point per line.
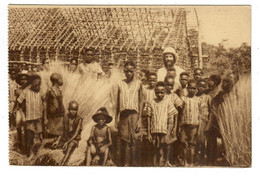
pixel 191 111
pixel 34 103
pixel 205 106
pixel 161 114
pixel 147 94
pixel 176 100
pixel 129 94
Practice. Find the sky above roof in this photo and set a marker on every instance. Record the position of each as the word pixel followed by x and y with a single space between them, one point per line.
pixel 225 22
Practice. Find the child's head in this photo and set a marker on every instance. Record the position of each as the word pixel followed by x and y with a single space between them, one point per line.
pixel 228 83
pixel 169 83
pixel 144 75
pixel 152 79
pixel 129 69
pixel 213 82
pixel 171 71
pixel 35 82
pixel 73 108
pixel 102 117
pixel 89 56
pixel 198 74
pixel 202 85
pixel 12 74
pixel 192 87
pixel 56 79
pixel 23 79
pixel 184 77
pixel 169 57
pixel 160 90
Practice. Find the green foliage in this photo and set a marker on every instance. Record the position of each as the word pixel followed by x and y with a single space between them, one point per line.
pixel 220 59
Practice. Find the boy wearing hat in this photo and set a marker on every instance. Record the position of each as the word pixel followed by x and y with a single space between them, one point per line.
pixel 72 130
pixel 22 80
pixel 169 59
pixel 100 139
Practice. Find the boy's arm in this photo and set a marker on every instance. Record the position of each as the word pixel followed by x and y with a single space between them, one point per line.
pixel 90 139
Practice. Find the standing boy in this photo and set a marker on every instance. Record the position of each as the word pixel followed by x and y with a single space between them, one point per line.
pixel 34 102
pixel 189 122
pixel 161 122
pixel 203 119
pixel 100 139
pixel 127 114
pixel 72 130
pixel 54 111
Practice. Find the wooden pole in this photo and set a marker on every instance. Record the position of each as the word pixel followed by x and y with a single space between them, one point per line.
pixel 200 61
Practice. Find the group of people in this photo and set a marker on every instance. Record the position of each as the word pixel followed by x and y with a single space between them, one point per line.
pixel 161 119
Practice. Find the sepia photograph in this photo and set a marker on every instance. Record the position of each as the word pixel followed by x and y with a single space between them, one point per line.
pixel 129 86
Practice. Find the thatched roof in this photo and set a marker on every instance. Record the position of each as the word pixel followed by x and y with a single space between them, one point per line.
pixel 116 29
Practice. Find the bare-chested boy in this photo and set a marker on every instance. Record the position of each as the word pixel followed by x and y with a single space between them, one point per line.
pixel 100 139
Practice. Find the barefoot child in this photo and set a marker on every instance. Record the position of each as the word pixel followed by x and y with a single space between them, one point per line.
pixel 100 139
pixel 203 119
pixel 34 102
pixel 73 128
pixel 20 108
pixel 189 122
pixel 54 112
pixel 127 115
pixel 161 121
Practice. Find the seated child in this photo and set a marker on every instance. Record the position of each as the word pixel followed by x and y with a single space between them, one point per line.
pixel 161 113
pixel 100 139
pixel 73 128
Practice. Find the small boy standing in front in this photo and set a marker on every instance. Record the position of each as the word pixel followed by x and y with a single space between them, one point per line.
pixel 72 130
pixel 204 117
pixel 189 122
pixel 34 101
pixel 100 139
pixel 161 122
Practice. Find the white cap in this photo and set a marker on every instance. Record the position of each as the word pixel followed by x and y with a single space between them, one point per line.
pixel 170 50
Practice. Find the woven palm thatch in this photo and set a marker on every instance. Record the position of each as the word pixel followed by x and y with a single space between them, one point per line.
pixel 138 33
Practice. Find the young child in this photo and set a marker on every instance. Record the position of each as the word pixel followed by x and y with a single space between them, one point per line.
pixel 72 130
pixel 127 115
pixel 189 122
pixel 203 118
pixel 54 111
pixel 147 96
pixel 148 90
pixel 182 91
pixel 178 104
pixel 20 108
pixel 161 123
pixel 12 98
pixel 34 102
pixel 73 67
pixel 100 139
pixel 198 74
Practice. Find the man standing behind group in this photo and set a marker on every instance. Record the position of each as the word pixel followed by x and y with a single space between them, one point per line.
pixel 169 59
pixel 90 66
